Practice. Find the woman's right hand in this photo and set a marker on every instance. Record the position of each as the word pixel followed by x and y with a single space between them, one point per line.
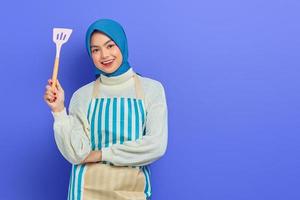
pixel 55 98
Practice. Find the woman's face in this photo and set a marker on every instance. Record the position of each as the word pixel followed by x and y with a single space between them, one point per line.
pixel 105 53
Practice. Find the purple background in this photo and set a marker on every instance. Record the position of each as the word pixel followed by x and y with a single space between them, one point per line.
pixel 231 74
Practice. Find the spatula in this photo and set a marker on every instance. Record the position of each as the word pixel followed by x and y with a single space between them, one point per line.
pixel 60 36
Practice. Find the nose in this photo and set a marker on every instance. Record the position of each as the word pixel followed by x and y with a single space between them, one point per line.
pixel 104 53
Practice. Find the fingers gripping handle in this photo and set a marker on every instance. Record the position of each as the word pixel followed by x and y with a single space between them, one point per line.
pixel 55 72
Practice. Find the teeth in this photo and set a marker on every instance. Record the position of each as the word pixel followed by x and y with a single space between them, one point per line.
pixel 106 62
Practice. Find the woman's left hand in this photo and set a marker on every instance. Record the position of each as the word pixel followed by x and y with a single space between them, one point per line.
pixel 94 156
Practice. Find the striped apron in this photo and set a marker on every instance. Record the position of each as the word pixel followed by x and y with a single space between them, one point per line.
pixel 112 121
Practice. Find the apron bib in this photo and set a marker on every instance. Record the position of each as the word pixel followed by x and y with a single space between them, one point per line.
pixel 112 120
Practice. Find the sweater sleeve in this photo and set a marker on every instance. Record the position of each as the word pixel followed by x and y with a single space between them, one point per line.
pixel 71 132
pixel 152 145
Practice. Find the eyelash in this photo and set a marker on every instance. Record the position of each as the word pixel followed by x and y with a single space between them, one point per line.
pixel 95 50
pixel 108 46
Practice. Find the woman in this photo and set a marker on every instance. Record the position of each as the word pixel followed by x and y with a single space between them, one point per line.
pixel 116 126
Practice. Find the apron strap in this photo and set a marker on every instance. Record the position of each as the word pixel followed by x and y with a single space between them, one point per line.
pixel 96 88
pixel 138 87
pixel 137 82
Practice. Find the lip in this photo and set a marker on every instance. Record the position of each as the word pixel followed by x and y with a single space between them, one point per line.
pixel 107 63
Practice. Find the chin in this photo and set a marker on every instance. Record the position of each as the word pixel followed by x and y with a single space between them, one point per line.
pixel 108 71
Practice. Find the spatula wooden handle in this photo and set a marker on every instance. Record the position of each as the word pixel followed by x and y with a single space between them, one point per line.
pixel 55 72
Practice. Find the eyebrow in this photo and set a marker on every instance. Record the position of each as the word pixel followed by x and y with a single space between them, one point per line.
pixel 93 46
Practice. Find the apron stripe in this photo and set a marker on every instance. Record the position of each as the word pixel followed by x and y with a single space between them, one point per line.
pixel 107 123
pixel 102 118
pixel 122 121
pixel 118 121
pixel 79 185
pixel 137 119
pixel 114 130
pixel 129 119
pixel 146 184
pixel 93 124
pixel 89 110
pixel 70 185
pixel 92 104
pixel 142 110
pixel 73 181
pixel 100 124
pixel 143 116
pixel 147 175
pixel 149 183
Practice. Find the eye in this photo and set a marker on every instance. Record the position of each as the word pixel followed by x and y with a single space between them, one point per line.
pixel 110 46
pixel 95 50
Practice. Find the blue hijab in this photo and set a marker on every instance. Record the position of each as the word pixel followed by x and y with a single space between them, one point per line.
pixel 115 32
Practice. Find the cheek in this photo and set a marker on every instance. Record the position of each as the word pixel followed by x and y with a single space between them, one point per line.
pixel 94 58
pixel 117 53
pixel 120 57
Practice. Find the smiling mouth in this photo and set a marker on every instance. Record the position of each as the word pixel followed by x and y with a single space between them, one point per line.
pixel 107 63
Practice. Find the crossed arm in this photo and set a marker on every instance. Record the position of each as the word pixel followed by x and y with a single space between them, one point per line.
pixel 72 137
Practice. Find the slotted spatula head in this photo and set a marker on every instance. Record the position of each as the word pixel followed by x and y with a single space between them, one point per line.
pixel 61 35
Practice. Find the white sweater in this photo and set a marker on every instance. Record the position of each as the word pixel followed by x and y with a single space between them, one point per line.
pixel 72 131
